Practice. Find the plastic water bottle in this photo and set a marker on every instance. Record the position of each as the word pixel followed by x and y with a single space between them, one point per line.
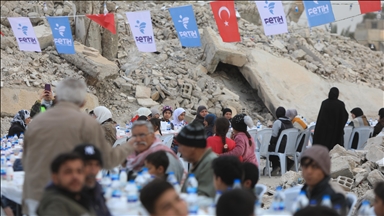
pixel 364 209
pixel 12 158
pixel 146 175
pixel 169 126
pixel 9 172
pixel 123 178
pixel 313 202
pixel 192 182
pixel 212 207
pixel 258 125
pixel 3 167
pixel 301 202
pixel 173 181
pixel 326 201
pixel 15 138
pixel 193 208
pixel 132 197
pixel 115 184
pixel 139 181
pixel 278 200
pixel 257 210
pixel 237 184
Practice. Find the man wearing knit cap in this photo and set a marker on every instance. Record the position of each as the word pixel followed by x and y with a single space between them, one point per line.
pixel 193 148
pixel 316 170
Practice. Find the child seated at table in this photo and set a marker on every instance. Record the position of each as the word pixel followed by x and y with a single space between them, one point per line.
pixel 167 115
pixel 157 163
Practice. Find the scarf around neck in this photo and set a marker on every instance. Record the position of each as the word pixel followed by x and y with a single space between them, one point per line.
pixel 20 117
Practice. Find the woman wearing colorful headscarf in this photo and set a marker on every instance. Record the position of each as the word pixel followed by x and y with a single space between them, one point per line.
pixel 19 123
pixel 178 117
pixel 201 113
pixel 209 122
pixel 167 115
pixel 104 116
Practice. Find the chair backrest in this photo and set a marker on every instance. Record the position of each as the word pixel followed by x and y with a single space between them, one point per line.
pixel 347 135
pixel 262 139
pixel 312 130
pixel 167 140
pixel 290 196
pixel 253 133
pixel 290 147
pixel 351 202
pixel 364 133
pixel 260 190
pixel 120 141
pixel 304 134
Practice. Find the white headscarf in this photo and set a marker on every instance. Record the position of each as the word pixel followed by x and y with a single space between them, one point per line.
pixel 102 114
pixel 143 111
pixel 176 115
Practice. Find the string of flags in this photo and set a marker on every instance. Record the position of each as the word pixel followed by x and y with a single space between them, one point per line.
pixel 271 13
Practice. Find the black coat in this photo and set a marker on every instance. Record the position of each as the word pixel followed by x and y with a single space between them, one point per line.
pixel 325 188
pixel 331 120
pixel 16 128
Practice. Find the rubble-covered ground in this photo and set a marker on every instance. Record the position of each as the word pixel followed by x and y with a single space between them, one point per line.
pixel 131 79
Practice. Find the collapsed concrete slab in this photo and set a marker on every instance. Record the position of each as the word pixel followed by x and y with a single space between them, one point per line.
pixel 217 51
pixel 281 82
pixel 91 62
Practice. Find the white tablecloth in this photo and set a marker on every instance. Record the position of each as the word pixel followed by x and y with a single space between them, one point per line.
pixel 13 190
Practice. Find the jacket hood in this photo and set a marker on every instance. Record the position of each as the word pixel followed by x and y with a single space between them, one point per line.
pixel 333 93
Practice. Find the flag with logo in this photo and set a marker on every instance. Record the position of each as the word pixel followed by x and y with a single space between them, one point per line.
pixel 272 16
pixel 142 31
pixel 318 12
pixel 369 6
pixel 186 26
pixel 62 34
pixel 24 33
pixel 225 16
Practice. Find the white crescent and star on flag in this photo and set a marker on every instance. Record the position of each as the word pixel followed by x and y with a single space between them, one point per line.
pixel 223 8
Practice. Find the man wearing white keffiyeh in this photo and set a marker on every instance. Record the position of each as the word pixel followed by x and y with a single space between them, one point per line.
pixel 19 123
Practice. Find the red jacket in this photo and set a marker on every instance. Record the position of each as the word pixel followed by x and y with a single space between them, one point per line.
pixel 216 144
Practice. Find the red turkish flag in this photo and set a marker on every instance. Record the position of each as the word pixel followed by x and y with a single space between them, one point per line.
pixel 369 6
pixel 225 16
pixel 107 21
pixel 2 33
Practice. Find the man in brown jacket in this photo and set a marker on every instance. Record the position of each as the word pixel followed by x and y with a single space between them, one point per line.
pixel 59 130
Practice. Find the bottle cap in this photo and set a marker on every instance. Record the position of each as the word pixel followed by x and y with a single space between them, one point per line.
pixel 171 173
pixel 191 175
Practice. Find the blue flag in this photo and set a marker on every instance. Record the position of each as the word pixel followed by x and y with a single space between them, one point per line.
pixel 62 34
pixel 318 12
pixel 186 26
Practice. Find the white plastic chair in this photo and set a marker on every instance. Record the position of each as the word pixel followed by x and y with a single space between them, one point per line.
pixel 347 135
pixel 364 134
pixel 306 134
pixel 351 202
pixel 167 139
pixel 290 148
pixel 290 196
pixel 260 191
pixel 119 142
pixel 312 128
pixel 253 133
pixel 262 141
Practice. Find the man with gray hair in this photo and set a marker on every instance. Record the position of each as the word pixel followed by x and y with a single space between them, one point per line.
pixel 58 130
pixel 145 142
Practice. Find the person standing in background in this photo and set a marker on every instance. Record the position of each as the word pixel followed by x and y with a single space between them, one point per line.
pixel 329 130
pixel 45 101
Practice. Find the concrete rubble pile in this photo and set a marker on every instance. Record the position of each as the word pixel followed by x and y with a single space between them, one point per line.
pixel 123 79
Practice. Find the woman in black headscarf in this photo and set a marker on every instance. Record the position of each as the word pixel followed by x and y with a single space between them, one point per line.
pixel 19 123
pixel 201 113
pixel 331 120
pixel 380 125
pixel 209 122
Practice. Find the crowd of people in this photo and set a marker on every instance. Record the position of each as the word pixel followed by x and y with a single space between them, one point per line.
pixel 64 150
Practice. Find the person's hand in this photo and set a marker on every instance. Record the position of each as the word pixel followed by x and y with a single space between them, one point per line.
pixel 226 146
pixel 42 94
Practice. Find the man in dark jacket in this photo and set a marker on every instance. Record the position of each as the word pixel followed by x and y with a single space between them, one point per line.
pixel 380 124
pixel 316 169
pixel 279 125
pixel 93 164
pixel 331 121
pixel 66 196
pixel 45 102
